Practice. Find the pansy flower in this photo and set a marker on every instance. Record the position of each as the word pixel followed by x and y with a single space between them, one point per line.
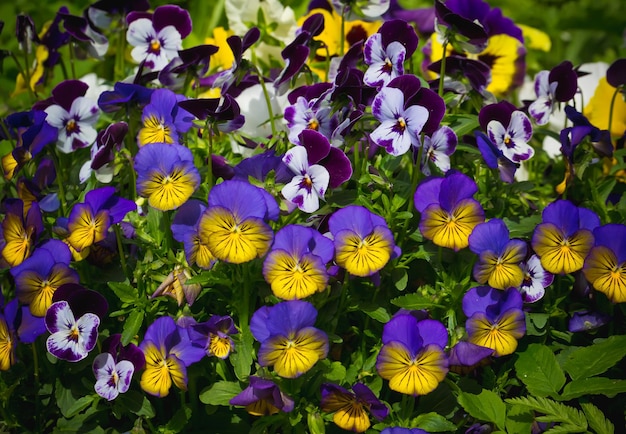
pixel 565 237
pixel 508 129
pixel 310 109
pixel 551 87
pixel 32 133
pixel 401 430
pixel 114 368
pixel 385 52
pixel 166 175
pixel 185 229
pixel 449 212
pixel 437 149
pixel 89 221
pixel 214 335
pixel 605 265
pixel 163 120
pixel 20 230
pixel 350 408
pixel 412 356
pixel 102 153
pixel 73 114
pixel 124 95
pixel 289 342
pixel 168 352
pixel 536 280
pixel 363 242
pixel 316 166
pixel 84 33
pixel 235 230
pixel 584 321
pixel 400 121
pixel 263 398
pixel 73 319
pixel 494 318
pixel 296 266
pixel 494 158
pixel 16 325
pixel 499 257
pixel 157 37
pixel 40 275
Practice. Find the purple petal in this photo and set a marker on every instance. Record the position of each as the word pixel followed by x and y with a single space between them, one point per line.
pixel 339 167
pixel 172 15
pixel 400 31
pixel 455 187
pixel 616 74
pixel 489 236
pixel 316 144
pixel 404 329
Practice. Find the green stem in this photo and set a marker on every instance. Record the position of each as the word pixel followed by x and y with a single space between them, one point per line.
pixel 442 71
pixel 60 181
pixel 406 409
pixel 268 102
pixel 218 9
pixel 37 386
pixel 120 249
pixel 70 48
pixel 611 107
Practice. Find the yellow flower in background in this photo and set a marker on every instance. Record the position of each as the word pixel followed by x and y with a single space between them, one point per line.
pixel 36 73
pixel 224 57
pixel 354 31
pixel 535 39
pixel 504 55
pixel 598 110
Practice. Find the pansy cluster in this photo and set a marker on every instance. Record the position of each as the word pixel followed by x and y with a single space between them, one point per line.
pixel 347 217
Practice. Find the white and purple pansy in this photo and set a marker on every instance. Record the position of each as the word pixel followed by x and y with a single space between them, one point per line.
pixel 71 339
pixel 437 149
pixel 551 87
pixel 509 129
pixel 536 280
pixel 310 110
pixel 386 51
pixel 73 114
pixel 112 378
pixel 401 115
pixel 157 37
pixel 316 166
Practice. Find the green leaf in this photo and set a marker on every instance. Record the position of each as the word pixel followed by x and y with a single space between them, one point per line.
pixel 572 419
pixel 379 313
pixel 179 420
pixel 597 421
pixel 519 419
pixel 414 301
pixel 433 422
pixel 593 386
pixel 132 325
pixel 220 393
pixel 539 371
pixel 124 291
pixel 79 405
pixel 487 406
pixel 242 357
pixel 595 359
pixel 400 278
pixel 335 371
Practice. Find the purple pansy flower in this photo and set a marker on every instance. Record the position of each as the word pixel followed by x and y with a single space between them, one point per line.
pixel 157 37
pixel 350 407
pixel 437 150
pixel 289 342
pixel 73 114
pixel 296 266
pixel 89 221
pixel 163 120
pixel 102 153
pixel 412 356
pixel 214 335
pixel 40 275
pixel 449 212
pixel 262 398
pixel 168 351
pixel 123 95
pixel 494 158
pixel 363 242
pixel 605 265
pixel 72 339
pixel 16 325
pixel 494 318
pixel 20 230
pixel 186 229
pixel 114 368
pixel 386 51
pixel 584 321
pixel 536 280
pixel 499 257
pixel 312 113
pixel 400 430
pixel 401 122
pixel 508 129
pixel 551 87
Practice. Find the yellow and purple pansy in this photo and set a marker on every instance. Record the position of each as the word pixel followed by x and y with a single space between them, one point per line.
pixel 605 265
pixel 351 408
pixel 263 397
pixel 412 357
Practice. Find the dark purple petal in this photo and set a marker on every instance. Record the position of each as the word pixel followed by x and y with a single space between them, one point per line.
pixel 462 20
pixel 316 145
pixel 172 15
pixel 376 407
pixel 565 75
pixel 500 112
pixel 434 104
pixel 81 300
pixel 31 327
pixel 466 354
pixel 409 85
pixel 295 57
pixel 339 167
pixel 400 31
pixel 67 91
pixel 616 74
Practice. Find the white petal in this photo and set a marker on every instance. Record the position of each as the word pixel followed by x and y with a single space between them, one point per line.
pixel 125 370
pixel 496 132
pixel 84 110
pixel 56 116
pixel 85 172
pixel 520 127
pixel 416 117
pixel 170 38
pixel 388 104
pixel 140 32
pixel 320 178
pixel 297 160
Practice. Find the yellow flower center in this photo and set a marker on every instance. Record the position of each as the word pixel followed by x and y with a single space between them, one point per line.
pixel 71 126
pixel 313 125
pixel 155 46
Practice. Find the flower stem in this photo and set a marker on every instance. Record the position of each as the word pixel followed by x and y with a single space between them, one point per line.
pixel 442 71
pixel 120 250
